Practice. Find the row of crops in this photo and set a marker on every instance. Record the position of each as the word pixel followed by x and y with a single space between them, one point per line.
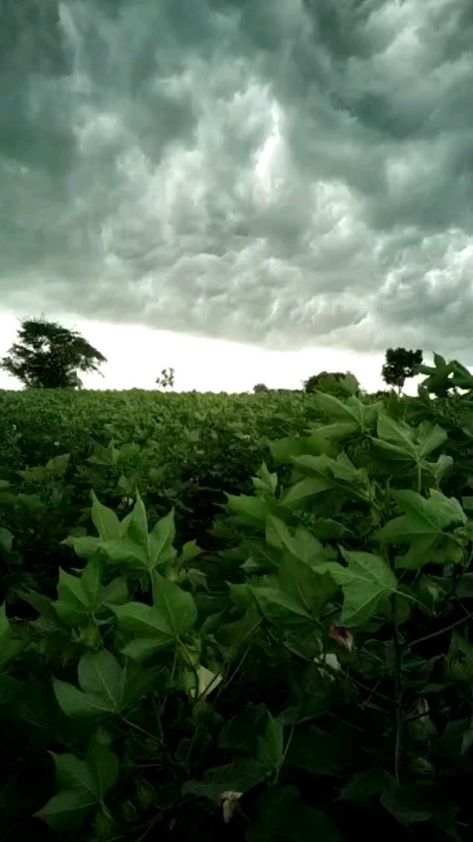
pixel 237 617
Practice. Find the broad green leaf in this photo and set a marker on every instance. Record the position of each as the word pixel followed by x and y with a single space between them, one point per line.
pixel 102 687
pixel 399 442
pixel 137 530
pixel 283 817
pixel 105 520
pixel 161 540
pixel 85 546
pixel 271 744
pixel 76 704
pixel 337 430
pixel 328 529
pixel 104 767
pixel 241 776
pixel 335 408
pixel 189 551
pixel 6 539
pixel 363 785
pixel 459 663
pixel 253 510
pixel 82 785
pixel 172 614
pixel 298 494
pixel 118 552
pixel 398 433
pixel 284 449
pixel 9 647
pixel 242 731
pixel 427 526
pixel 277 606
pixel 68 810
pixel 409 803
pixel 310 587
pixel 430 437
pixel 367 583
pixel 80 597
pixel 303 545
pixel 100 673
pixel 174 604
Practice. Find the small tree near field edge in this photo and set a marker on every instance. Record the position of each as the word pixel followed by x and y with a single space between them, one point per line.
pixel 49 356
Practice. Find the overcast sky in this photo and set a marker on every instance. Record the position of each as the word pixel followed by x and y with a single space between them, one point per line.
pixel 265 187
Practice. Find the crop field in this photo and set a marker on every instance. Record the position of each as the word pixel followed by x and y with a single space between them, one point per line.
pixel 237 617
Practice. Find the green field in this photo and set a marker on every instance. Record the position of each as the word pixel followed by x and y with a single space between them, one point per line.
pixel 237 616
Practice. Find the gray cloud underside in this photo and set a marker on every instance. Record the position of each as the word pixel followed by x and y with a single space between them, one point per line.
pixel 285 173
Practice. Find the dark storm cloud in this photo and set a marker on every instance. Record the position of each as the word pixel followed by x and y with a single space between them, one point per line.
pixel 281 172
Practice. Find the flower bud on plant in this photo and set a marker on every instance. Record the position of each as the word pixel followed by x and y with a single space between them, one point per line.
pixel 145 793
pixel 342 636
pixel 129 812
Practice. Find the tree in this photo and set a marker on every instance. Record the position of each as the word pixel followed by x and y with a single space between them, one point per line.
pixel 49 356
pixel 260 387
pixel 166 379
pixel 338 383
pixel 400 364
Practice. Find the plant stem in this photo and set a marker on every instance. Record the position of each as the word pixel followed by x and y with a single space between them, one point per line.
pixel 397 699
pixel 441 631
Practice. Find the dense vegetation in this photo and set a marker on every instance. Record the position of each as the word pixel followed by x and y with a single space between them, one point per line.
pixel 237 617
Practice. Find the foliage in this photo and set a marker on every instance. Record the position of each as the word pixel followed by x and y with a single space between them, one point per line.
pixel 305 672
pixel 48 356
pixel 166 378
pixel 336 383
pixel 399 365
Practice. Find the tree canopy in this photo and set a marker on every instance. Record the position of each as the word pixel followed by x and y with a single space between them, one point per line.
pixel 49 356
pixel 400 364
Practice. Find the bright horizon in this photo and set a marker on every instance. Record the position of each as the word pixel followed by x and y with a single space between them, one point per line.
pixel 136 355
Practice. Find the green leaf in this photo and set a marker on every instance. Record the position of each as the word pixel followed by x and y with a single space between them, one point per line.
pixel 6 539
pixel 277 606
pixel 82 786
pixel 81 597
pixel 271 744
pixel 283 817
pixel 189 551
pixel 252 510
pixel 105 520
pixel 242 731
pixel 172 614
pixel 302 545
pixel 100 673
pixel 85 546
pixel 298 494
pixel 138 524
pixel 161 540
pixel 409 803
pixel 310 587
pixel 240 776
pixel 364 785
pixel 9 647
pixel 424 526
pixel 67 810
pixel 124 552
pixel 102 683
pixel 367 583
pixel 284 449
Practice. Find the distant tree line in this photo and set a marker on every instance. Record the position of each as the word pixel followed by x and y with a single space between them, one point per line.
pixel 49 356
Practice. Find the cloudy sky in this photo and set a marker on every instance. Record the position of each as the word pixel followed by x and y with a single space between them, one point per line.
pixel 244 189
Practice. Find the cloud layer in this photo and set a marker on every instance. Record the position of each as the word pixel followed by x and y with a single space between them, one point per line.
pixel 283 173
